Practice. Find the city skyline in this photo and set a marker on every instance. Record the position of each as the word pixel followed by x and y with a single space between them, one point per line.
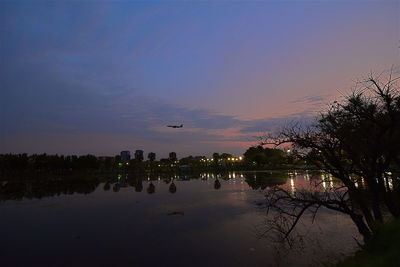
pixel 102 77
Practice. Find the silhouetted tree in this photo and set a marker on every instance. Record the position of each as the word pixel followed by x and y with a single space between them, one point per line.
pixel 225 156
pixel 267 157
pixel 187 160
pixel 256 155
pixel 215 156
pixel 356 140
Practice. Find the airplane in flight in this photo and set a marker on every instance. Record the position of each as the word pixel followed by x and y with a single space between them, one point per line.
pixel 175 126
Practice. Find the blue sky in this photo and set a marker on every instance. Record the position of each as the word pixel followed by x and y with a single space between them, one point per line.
pixel 103 76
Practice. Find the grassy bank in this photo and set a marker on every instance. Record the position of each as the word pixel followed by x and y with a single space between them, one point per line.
pixel 382 250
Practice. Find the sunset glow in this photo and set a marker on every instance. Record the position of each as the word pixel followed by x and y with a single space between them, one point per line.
pixel 79 77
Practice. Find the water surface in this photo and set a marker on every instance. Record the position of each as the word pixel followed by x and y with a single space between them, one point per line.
pixel 203 220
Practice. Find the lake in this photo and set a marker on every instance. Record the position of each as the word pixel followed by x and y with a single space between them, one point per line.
pixel 187 220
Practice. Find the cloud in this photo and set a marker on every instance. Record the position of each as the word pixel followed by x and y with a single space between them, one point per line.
pixel 275 124
pixel 312 99
pixel 105 124
pixel 51 108
pixel 96 81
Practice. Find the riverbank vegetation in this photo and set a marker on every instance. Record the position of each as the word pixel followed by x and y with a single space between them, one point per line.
pixel 255 158
pixel 381 250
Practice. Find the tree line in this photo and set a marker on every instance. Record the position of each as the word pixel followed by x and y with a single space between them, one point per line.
pixel 256 157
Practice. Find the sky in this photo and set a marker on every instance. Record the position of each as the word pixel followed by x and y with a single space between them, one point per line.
pixel 98 77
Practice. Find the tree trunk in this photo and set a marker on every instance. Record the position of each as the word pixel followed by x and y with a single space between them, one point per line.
pixel 361 226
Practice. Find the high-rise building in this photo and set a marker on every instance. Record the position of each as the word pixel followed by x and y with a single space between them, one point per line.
pixel 139 155
pixel 151 156
pixel 172 156
pixel 125 155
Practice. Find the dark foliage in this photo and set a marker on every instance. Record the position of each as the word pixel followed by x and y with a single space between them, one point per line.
pixel 356 141
pixel 265 157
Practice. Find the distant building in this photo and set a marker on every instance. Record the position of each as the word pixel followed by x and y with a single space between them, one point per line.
pixel 172 156
pixel 151 156
pixel 139 155
pixel 125 155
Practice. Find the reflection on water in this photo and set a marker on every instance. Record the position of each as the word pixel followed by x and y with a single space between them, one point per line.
pixel 217 184
pixel 206 219
pixel 49 186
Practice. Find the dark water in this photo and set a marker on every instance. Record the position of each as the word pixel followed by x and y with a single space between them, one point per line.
pixel 123 221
